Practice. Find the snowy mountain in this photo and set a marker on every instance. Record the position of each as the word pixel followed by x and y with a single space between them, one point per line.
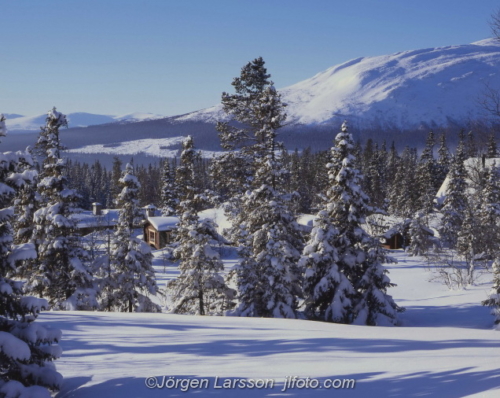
pixel 137 117
pixel 19 123
pixel 406 90
pixel 12 115
pixel 395 97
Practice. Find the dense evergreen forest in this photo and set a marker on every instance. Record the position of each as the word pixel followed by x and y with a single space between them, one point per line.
pixel 398 181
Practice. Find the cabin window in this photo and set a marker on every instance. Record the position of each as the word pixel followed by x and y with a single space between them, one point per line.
pixel 152 236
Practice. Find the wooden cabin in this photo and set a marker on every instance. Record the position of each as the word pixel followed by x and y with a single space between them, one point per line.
pixel 393 239
pixel 398 237
pixel 158 231
pixel 97 219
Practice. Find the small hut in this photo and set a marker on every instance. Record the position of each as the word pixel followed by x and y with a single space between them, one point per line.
pixel 158 231
pixel 97 219
pixel 393 239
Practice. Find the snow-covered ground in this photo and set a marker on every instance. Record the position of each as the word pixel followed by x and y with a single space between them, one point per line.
pixel 445 347
pixel 160 147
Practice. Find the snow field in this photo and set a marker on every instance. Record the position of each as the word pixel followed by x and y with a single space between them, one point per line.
pixel 445 347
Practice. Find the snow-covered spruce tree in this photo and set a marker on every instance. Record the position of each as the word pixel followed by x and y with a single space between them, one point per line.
pixel 427 176
pixel 169 200
pixel 327 290
pixel 61 273
pixel 403 196
pixel 493 300
pixel 131 280
pixel 455 202
pixel 359 257
pixel 443 161
pixel 420 241
pixel 200 288
pixel 489 213
pixel 268 277
pixel 26 202
pixel 469 238
pixel 27 349
pixel 491 147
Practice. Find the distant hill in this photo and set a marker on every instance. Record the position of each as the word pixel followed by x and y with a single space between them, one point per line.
pixel 24 124
pixel 403 95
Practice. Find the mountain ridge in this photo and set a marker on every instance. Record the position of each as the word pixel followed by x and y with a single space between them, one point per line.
pixel 406 90
pixel 20 123
pixel 398 96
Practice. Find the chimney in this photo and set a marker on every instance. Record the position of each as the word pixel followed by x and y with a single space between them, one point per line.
pixel 150 210
pixel 97 209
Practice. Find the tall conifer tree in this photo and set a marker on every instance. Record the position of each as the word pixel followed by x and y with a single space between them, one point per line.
pixel 200 288
pixel 62 274
pixel 353 257
pixel 26 348
pixel 132 279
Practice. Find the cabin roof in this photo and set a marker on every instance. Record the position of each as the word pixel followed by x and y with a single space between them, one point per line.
pixel 87 219
pixel 164 223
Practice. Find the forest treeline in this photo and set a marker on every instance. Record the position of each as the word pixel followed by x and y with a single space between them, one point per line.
pixel 399 181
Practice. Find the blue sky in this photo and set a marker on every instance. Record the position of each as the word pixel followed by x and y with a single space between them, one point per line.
pixel 172 57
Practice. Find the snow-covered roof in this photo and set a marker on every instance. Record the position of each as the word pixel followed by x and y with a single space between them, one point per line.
pixel 87 219
pixel 306 220
pixel 218 216
pixel 164 223
pixel 472 165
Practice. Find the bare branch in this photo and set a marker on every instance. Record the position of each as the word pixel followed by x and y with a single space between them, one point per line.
pixel 494 23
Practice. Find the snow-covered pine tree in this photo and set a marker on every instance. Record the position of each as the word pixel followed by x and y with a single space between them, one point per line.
pixel 200 288
pixel 229 186
pixel 420 241
pixel 26 203
pixel 471 149
pixel 27 349
pixel 61 273
pixel 376 183
pixel 132 277
pixel 327 291
pixel 443 161
pixel 491 147
pixel 469 238
pixel 455 202
pixel 244 142
pixel 184 174
pixel 114 182
pixel 403 196
pixel 169 200
pixel 489 213
pixel 493 300
pixel 268 277
pixel 359 256
pixel 426 176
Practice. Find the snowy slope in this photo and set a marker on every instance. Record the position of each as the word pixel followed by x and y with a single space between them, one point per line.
pixel 159 147
pixel 78 119
pixel 435 86
pixel 137 117
pixel 445 347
